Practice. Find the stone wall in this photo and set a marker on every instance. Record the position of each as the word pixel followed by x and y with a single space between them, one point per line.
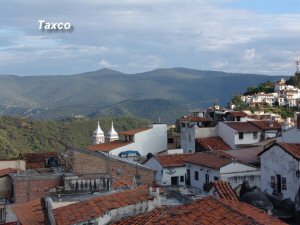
pixel 87 162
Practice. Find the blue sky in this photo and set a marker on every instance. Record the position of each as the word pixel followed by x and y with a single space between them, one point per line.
pixel 248 36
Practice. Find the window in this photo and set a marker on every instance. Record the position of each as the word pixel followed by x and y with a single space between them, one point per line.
pixel 241 135
pixel 181 179
pixel 196 175
pixel 190 138
pixel 255 135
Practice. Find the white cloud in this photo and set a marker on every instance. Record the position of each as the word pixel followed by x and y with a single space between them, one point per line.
pixel 143 35
pixel 105 64
pixel 249 54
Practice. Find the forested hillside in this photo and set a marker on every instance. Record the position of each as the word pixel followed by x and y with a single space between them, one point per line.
pixel 24 135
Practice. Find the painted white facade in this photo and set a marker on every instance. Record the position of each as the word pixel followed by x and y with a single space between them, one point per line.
pixel 231 136
pixel 276 161
pixel 234 173
pixel 290 136
pixel 163 176
pixel 188 135
pixel 153 140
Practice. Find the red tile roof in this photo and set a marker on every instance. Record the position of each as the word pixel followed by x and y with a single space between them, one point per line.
pixel 118 183
pixel 96 207
pixel 237 113
pixel 224 190
pixel 292 149
pixel 37 159
pixel 206 211
pixel 106 147
pixel 30 213
pixel 246 155
pixel 266 124
pixel 6 171
pixel 213 143
pixel 135 131
pixel 243 126
pixel 195 119
pixel 214 160
pixel 174 160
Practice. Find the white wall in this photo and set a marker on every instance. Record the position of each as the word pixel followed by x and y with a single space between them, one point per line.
pixel 188 136
pixel 168 173
pixel 234 173
pixel 163 175
pixel 149 141
pixel 247 139
pixel 237 173
pixel 154 164
pixel 16 164
pixel 231 136
pixel 227 134
pixel 198 184
pixel 291 136
pixel 277 161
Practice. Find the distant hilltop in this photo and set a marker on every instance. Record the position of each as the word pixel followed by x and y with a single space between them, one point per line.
pixel 164 93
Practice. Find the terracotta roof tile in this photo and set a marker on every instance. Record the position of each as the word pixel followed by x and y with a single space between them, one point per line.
pixel 292 149
pixel 207 211
pixel 224 190
pixel 106 147
pixel 96 207
pixel 266 124
pixel 214 160
pixel 174 160
pixel 6 171
pixel 246 155
pixel 213 143
pixel 243 126
pixel 237 113
pixel 37 159
pixel 30 213
pixel 134 131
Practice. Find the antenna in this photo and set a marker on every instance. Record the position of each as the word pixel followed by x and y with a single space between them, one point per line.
pixel 297 61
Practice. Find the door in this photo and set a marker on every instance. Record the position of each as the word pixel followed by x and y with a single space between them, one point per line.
pixel 188 177
pixel 174 180
pixel 278 183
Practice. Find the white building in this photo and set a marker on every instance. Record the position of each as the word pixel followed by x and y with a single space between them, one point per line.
pixel 98 135
pixel 206 167
pixel 238 134
pixel 292 135
pixel 192 128
pixel 136 143
pixel 280 170
pixel 171 169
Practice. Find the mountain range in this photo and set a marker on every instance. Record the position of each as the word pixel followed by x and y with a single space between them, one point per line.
pixel 159 94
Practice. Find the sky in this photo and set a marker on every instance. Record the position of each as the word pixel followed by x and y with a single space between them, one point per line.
pixel 245 36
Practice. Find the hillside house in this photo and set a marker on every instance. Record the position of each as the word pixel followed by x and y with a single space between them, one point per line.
pixel 280 170
pixel 206 167
pixel 171 169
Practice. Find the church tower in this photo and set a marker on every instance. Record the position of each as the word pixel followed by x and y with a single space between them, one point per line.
pixel 98 135
pixel 112 134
